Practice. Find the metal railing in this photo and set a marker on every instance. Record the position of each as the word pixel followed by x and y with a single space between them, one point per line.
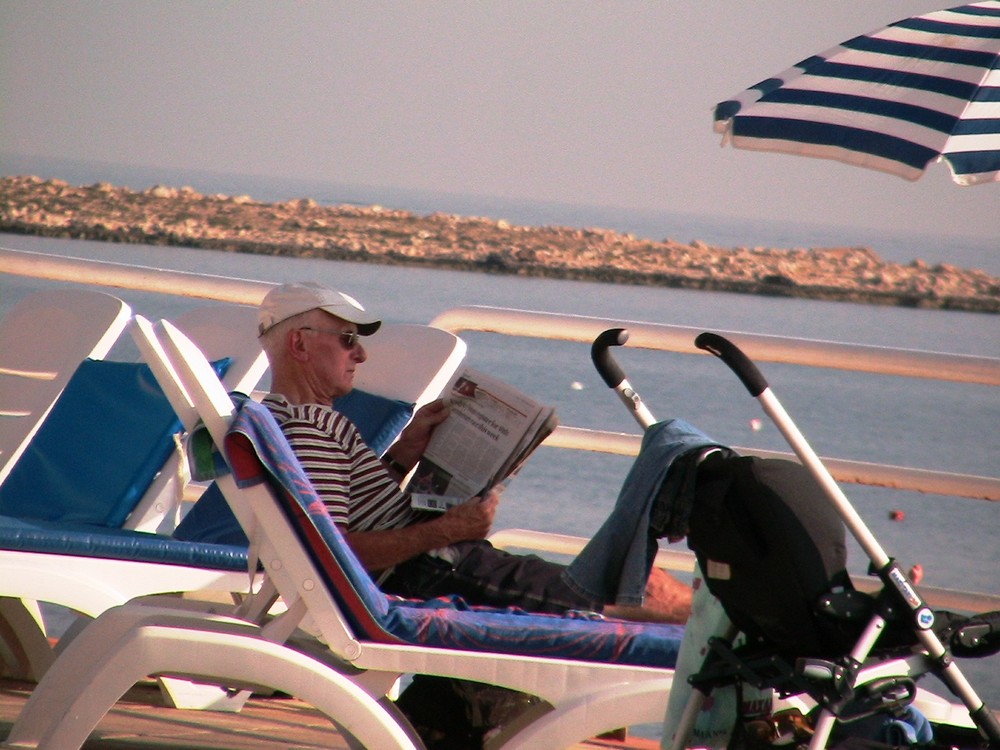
pixel 662 337
pixel 583 329
pixel 762 348
pixel 127 276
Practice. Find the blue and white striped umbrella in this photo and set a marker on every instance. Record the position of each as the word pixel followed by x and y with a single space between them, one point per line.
pixel 921 90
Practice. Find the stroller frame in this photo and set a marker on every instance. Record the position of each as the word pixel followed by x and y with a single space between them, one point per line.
pixel 832 684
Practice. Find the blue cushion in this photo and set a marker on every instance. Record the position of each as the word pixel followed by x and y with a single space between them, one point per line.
pixel 60 538
pixel 98 449
pixel 378 419
pixel 210 520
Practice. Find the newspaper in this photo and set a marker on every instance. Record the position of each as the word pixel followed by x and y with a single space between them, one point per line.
pixel 492 429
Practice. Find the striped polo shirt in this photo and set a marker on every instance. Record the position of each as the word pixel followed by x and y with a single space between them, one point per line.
pixel 349 478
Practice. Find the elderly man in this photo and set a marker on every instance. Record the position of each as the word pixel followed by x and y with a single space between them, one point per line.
pixel 312 338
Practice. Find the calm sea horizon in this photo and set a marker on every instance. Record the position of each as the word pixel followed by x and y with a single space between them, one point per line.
pixel 902 421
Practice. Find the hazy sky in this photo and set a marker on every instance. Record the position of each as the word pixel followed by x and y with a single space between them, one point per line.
pixel 604 103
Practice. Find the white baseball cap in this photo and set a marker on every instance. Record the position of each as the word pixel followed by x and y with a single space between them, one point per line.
pixel 286 300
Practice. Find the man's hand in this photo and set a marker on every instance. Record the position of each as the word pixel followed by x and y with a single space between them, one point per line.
pixel 379 550
pixel 414 438
pixel 472 519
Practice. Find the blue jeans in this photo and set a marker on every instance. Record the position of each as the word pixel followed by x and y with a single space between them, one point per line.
pixel 615 564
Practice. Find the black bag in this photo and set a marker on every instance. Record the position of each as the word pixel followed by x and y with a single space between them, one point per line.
pixel 454 714
pixel 770 544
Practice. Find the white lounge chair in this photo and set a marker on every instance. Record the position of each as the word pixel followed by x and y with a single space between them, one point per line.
pixel 42 340
pixel 78 522
pixel 362 641
pixel 119 392
pixel 109 567
pixel 408 365
pixel 409 362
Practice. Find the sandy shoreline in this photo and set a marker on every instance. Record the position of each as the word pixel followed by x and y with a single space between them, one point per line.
pixel 304 228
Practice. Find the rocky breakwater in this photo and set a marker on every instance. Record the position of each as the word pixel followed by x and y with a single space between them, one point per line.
pixel 304 228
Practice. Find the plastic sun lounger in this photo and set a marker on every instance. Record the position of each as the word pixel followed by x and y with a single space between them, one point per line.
pixel 42 340
pixel 360 641
pixel 409 362
pixel 408 365
pixel 111 566
pixel 58 509
pixel 97 394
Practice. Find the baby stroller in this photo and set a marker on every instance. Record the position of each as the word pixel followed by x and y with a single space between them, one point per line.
pixel 769 536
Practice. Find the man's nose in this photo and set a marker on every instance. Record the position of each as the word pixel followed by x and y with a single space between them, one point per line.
pixel 359 353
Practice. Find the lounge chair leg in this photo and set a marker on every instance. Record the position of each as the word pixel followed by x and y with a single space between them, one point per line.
pixel 24 648
pixel 125 644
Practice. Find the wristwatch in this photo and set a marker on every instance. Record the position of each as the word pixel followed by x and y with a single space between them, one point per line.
pixel 394 465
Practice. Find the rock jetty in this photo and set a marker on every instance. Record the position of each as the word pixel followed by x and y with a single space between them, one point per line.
pixel 373 234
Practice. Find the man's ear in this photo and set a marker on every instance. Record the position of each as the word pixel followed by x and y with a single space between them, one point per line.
pixel 295 343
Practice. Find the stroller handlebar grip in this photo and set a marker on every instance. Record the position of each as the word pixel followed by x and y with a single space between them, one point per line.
pixel 606 366
pixel 738 362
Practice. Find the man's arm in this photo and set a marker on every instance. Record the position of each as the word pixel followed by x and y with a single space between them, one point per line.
pixel 378 550
pixel 413 440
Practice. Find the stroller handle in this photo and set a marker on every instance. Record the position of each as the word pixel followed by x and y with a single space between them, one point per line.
pixel 738 362
pixel 607 367
pixel 614 376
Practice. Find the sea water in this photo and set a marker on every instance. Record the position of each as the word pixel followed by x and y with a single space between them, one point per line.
pixel 884 419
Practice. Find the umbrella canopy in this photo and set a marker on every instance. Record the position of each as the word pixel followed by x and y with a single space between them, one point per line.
pixel 920 90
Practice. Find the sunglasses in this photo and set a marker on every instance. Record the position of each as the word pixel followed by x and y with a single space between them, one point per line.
pixel 349 339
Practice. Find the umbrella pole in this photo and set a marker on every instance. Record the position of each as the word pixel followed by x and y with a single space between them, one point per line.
pixel 892 576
